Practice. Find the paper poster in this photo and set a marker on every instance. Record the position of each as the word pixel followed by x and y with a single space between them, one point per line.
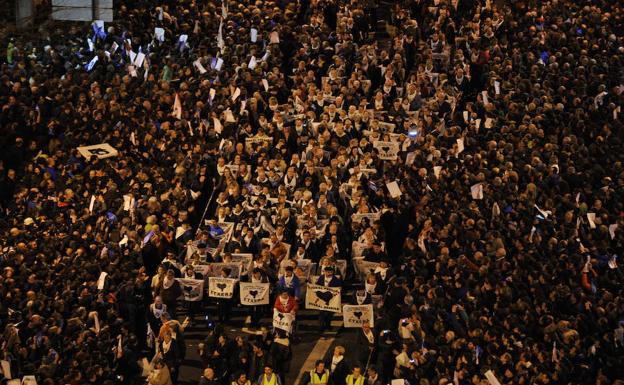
pixel 219 64
pixel 612 228
pixel 91 203
pixel 160 34
pixel 394 190
pixel 591 217
pixel 492 378
pixel 253 63
pixel 303 269
pixel 244 259
pixel 323 298
pixel 236 94
pixel 476 191
pixel 221 287
pixel 29 380
pixel 436 171
pixel 283 320
pixel 199 67
pixel 497 87
pixel 254 35
pixel 372 217
pixel 101 280
pixel 252 294
pixel 356 316
pixel 387 150
pixel 138 61
pixel 460 145
pixel 192 289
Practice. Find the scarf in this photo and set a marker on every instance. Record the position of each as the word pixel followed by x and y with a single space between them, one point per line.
pixel 158 312
pixel 335 361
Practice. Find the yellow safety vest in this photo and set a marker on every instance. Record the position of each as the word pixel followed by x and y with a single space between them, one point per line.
pixel 359 381
pixel 272 381
pixel 314 377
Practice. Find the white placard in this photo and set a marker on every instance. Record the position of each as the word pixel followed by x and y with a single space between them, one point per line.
pixel 252 294
pixel 192 289
pixel 476 191
pixel 221 287
pixel 102 151
pixel 254 35
pixel 356 316
pixel 283 320
pixel 199 67
pixel 323 298
pixel 372 217
pixel 101 280
pixel 393 189
pixel 387 150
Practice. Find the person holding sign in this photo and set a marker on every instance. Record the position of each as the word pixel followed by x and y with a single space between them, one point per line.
pixel 328 279
pixel 256 311
pixel 290 281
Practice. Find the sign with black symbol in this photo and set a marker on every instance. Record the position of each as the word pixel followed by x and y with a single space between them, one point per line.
pixel 221 287
pixel 102 151
pixel 323 298
pixel 192 289
pixel 282 321
pixel 252 294
pixel 356 316
pixel 387 150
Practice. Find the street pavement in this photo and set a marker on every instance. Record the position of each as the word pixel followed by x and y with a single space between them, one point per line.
pixel 309 342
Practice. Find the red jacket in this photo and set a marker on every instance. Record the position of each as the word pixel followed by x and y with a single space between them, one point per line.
pixel 291 305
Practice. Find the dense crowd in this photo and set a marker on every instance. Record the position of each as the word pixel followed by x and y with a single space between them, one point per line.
pixel 460 161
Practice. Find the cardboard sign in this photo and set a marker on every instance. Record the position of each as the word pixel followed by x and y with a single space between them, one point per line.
pixel 372 217
pixel 215 269
pixel 356 316
pixel 102 151
pixel 192 289
pixel 221 287
pixel 387 150
pixel 252 294
pixel 283 321
pixel 323 298
pixel 245 259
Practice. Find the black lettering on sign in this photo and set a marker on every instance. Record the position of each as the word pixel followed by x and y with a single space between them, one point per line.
pixel 98 151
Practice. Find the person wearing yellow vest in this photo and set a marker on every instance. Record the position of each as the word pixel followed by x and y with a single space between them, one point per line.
pixel 241 380
pixel 268 377
pixel 317 376
pixel 356 377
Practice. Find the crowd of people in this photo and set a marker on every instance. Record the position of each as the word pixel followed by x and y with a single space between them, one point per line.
pixel 459 162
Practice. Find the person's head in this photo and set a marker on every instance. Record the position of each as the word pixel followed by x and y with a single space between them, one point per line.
pixel 209 373
pixel 357 371
pixel 339 351
pixel 242 378
pixel 158 301
pixel 328 271
pixel 284 295
pixel 170 274
pixel 268 370
pixel 372 371
pixel 319 365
